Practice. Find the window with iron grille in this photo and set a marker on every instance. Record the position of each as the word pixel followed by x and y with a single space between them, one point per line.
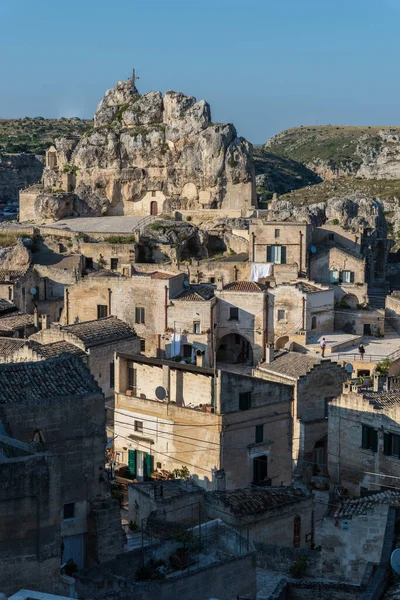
pixel 142 345
pixel 102 311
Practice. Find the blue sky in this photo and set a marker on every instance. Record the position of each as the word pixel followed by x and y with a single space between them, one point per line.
pixel 263 65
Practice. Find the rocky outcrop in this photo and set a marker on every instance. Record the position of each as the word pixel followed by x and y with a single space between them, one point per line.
pixel 352 212
pixel 158 149
pixel 55 206
pixel 15 258
pixel 17 171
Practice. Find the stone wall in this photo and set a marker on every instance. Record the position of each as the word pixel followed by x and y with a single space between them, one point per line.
pixel 349 544
pixel 30 543
pixel 295 237
pixel 277 557
pixel 354 321
pixel 349 464
pixel 392 311
pixel 105 536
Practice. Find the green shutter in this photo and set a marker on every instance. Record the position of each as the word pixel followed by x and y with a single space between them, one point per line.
pixel 283 255
pixel 132 462
pixel 351 276
pixel 269 254
pixel 387 443
pixel 374 440
pixel 364 442
pixel 148 466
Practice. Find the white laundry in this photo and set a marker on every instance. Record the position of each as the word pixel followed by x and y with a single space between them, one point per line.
pixel 260 271
pixel 176 344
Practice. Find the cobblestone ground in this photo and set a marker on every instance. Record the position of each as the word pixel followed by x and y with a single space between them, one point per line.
pixel 267 581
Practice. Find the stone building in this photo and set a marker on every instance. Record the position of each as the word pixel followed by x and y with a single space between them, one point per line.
pixel 95 341
pixel 141 300
pixel 30 503
pixel 364 439
pixel 316 382
pixel 25 350
pixel 285 245
pixel 299 310
pixel 392 311
pixel 230 429
pixel 241 322
pixel 282 516
pixel 57 404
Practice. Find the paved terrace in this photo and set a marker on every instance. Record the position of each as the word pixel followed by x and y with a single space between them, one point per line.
pixel 123 224
pixel 376 349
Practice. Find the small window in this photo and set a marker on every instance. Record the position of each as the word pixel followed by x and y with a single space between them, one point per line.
pixel 244 400
pixel 139 426
pixel 313 322
pixel 114 264
pixel 233 313
pixel 276 254
pixel 277 233
pixel 38 437
pixel 158 465
pixel 112 374
pixel 102 311
pixel 69 511
pixel 259 434
pixel 212 279
pixel 391 444
pixel 187 351
pixel 89 263
pixel 139 315
pixel 281 315
pixel 347 276
pixel 331 237
pixel 196 327
pixel 153 194
pixel 142 345
pixel 369 438
pixel 132 378
pixel 334 276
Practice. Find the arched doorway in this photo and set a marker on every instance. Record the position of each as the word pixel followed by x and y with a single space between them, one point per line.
pixel 281 342
pixel 350 299
pixel 154 208
pixel 234 348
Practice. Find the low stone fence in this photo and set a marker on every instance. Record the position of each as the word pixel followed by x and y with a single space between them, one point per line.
pixel 280 558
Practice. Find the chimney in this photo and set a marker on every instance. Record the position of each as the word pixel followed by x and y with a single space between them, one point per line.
pixel 269 353
pixel 380 383
pixel 220 284
pixel 45 321
pixel 199 358
pixel 36 318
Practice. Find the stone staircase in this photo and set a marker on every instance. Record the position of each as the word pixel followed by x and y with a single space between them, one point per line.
pixel 377 295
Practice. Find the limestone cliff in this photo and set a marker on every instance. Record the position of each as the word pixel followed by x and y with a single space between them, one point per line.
pixel 17 171
pixel 337 151
pixel 152 153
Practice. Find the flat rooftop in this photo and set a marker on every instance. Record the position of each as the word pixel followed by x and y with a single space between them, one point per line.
pixel 123 224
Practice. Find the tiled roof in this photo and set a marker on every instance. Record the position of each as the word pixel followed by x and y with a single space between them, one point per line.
pixel 244 286
pixel 6 306
pixel 196 293
pixel 15 321
pixel 291 364
pixel 10 345
pixel 250 501
pixel 108 329
pixel 11 275
pixel 380 400
pixel 55 349
pixel 46 379
pixel 160 275
pixel 359 506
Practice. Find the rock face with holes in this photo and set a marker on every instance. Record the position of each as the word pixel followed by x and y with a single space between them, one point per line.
pixel 152 153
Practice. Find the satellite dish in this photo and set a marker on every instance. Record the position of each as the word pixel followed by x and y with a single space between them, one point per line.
pixel 313 249
pixel 186 283
pixel 161 393
pixel 395 561
pixel 33 291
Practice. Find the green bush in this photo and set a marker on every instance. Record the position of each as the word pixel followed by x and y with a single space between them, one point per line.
pixel 120 239
pixel 383 366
